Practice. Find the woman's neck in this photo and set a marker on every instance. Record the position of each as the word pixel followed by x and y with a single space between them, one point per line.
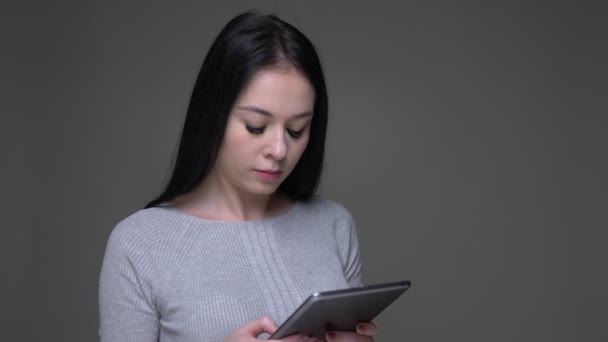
pixel 213 201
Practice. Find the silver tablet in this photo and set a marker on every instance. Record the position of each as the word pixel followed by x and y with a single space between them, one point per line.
pixel 340 309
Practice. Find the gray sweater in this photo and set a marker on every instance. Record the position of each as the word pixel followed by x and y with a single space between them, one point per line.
pixel 169 276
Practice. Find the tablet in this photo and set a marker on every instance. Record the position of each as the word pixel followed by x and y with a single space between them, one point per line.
pixel 340 309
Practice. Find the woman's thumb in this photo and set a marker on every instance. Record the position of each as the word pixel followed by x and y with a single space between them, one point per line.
pixel 261 325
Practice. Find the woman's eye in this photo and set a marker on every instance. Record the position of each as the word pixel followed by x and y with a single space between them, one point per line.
pixel 255 130
pixel 295 134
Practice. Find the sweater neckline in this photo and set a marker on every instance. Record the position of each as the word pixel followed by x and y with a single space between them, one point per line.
pixel 291 211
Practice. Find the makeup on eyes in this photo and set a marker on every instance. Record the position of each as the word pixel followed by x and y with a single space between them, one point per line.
pixel 257 119
pixel 295 134
pixel 255 129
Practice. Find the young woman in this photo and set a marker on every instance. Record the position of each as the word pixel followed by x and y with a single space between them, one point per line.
pixel 238 239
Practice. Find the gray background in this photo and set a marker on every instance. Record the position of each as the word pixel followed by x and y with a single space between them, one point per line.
pixel 467 139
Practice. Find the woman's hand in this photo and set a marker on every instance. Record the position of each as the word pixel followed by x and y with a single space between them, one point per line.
pixel 250 332
pixel 365 333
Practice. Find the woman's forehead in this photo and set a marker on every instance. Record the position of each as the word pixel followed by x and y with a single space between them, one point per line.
pixel 278 90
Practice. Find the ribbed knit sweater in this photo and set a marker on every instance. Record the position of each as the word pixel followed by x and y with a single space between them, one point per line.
pixel 169 276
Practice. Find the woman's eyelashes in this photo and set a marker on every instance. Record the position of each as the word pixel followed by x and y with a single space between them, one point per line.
pixel 259 130
pixel 295 134
pixel 255 130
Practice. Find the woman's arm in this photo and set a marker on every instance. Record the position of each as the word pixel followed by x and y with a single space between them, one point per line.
pixel 125 304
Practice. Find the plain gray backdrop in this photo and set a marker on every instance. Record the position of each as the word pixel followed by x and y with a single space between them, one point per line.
pixel 468 139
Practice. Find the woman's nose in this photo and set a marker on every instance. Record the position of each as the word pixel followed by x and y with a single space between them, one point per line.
pixel 277 146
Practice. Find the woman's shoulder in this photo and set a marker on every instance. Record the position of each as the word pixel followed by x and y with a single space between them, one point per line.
pixel 321 205
pixel 147 220
pixel 145 228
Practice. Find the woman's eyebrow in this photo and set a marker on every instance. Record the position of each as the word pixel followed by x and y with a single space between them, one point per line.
pixel 267 113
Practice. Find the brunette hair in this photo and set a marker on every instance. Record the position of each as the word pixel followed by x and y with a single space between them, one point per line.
pixel 248 43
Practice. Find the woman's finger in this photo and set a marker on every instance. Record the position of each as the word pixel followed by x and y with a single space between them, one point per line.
pixel 261 325
pixel 367 329
pixel 298 338
pixel 347 336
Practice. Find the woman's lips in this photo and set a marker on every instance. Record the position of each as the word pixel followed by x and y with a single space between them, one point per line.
pixel 268 175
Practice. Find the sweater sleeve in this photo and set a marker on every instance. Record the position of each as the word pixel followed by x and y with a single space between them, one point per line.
pixel 127 313
pixel 349 248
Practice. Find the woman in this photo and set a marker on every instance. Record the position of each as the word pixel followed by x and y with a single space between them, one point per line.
pixel 238 239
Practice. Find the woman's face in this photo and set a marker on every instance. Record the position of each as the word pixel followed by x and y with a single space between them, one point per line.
pixel 267 131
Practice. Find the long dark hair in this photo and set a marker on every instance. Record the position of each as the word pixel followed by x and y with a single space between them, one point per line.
pixel 248 43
